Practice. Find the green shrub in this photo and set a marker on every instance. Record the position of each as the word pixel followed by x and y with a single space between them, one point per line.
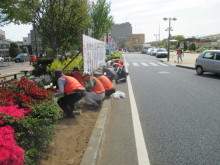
pixel 57 64
pixel 40 66
pixel 113 56
pixel 35 132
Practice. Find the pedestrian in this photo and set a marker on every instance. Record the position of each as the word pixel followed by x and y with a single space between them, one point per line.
pixel 118 60
pixel 77 75
pixel 105 82
pixel 109 72
pixel 179 55
pixel 121 74
pixel 95 91
pixel 70 90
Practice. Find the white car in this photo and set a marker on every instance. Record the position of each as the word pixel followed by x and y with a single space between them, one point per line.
pixel 1 59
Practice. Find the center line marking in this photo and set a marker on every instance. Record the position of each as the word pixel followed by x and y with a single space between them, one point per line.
pixel 142 153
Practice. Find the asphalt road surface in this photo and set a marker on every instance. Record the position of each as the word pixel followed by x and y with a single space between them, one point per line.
pixel 179 114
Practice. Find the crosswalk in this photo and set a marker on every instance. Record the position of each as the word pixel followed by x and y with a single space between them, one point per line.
pixel 145 64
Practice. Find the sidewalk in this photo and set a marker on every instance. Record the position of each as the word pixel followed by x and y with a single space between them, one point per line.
pixel 14 67
pixel 188 60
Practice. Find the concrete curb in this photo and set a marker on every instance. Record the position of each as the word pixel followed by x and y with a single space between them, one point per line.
pixel 187 67
pixel 181 66
pixel 91 154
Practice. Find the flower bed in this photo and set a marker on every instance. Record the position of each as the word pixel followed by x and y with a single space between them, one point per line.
pixel 27 120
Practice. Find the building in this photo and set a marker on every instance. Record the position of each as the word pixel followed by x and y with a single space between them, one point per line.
pixel 4 45
pixel 120 34
pixel 137 40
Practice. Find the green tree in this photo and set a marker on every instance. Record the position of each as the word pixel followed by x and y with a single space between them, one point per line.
pixel 101 21
pixel 24 50
pixel 17 11
pixel 178 37
pixel 60 22
pixel 192 46
pixel 14 49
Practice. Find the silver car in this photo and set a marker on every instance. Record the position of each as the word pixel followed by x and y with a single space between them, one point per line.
pixel 208 61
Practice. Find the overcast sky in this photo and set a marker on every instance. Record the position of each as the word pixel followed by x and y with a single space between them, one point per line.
pixel 194 18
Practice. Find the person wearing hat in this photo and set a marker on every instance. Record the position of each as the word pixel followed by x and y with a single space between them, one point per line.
pixel 105 82
pixel 77 75
pixel 109 73
pixel 118 60
pixel 95 90
pixel 121 74
pixel 71 90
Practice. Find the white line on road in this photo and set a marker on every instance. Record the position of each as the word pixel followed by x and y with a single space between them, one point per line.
pixel 162 64
pixel 142 153
pixel 135 63
pixel 143 63
pixel 126 64
pixel 152 63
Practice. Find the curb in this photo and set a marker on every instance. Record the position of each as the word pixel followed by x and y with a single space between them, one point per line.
pixel 187 67
pixel 91 153
pixel 181 66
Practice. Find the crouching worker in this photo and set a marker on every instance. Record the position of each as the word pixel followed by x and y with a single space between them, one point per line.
pixel 105 82
pixel 95 91
pixel 121 74
pixel 72 90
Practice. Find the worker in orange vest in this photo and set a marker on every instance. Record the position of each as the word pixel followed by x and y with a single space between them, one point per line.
pixel 118 60
pixel 77 75
pixel 105 82
pixel 95 91
pixel 72 90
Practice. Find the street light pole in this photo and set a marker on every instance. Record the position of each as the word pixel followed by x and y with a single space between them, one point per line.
pixel 169 29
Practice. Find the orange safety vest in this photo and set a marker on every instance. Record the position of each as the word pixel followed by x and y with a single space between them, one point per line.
pixel 71 85
pixel 120 61
pixel 106 82
pixel 119 65
pixel 98 88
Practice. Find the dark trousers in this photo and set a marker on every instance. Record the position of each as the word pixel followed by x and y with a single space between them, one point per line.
pixel 109 92
pixel 67 102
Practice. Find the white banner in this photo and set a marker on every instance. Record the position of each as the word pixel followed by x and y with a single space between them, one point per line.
pixel 93 53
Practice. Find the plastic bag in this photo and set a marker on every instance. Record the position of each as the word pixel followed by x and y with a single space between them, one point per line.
pixel 119 94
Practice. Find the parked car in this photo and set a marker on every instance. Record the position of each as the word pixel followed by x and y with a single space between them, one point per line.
pixel 148 51
pixel 208 61
pixel 22 57
pixel 161 53
pixel 153 52
pixel 1 59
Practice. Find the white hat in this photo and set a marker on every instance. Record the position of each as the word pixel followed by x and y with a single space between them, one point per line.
pixel 86 74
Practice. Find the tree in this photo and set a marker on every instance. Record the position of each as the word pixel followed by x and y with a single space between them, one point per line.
pixel 17 11
pixel 24 50
pixel 192 46
pixel 14 49
pixel 101 21
pixel 60 22
pixel 178 37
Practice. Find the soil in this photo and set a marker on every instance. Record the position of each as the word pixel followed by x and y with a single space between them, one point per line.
pixel 70 140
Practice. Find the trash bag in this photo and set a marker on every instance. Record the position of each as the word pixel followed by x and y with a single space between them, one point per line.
pixel 119 94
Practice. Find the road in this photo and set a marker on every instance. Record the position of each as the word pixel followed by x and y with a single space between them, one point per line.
pixel 179 116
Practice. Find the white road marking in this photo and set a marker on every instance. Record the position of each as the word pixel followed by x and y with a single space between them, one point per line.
pixel 135 63
pixel 163 72
pixel 142 153
pixel 162 64
pixel 152 63
pixel 126 64
pixel 143 63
